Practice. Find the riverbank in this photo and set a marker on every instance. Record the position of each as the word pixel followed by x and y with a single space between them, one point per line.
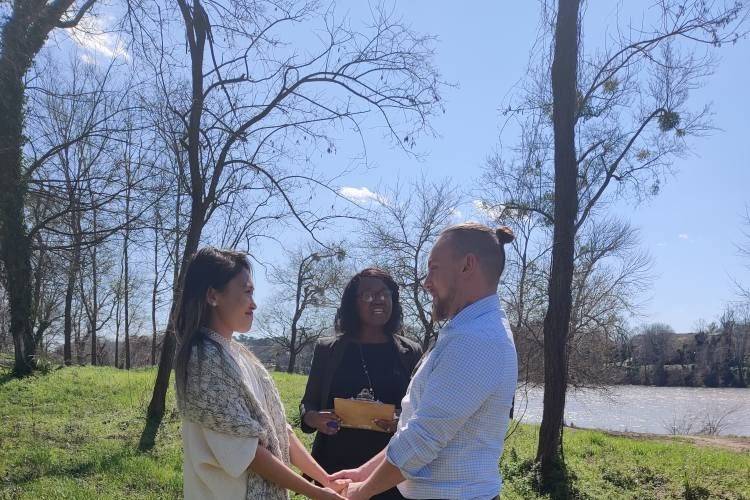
pixel 73 434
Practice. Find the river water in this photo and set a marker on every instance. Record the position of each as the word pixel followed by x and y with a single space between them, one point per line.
pixel 634 408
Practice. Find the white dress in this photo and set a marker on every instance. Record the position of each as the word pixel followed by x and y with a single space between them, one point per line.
pixel 216 464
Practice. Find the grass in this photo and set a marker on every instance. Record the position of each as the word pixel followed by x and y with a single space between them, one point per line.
pixel 73 433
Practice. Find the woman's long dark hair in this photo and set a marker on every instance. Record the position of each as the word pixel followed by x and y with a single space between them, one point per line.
pixel 208 268
pixel 348 321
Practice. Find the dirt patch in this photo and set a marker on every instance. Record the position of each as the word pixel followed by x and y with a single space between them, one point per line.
pixel 738 444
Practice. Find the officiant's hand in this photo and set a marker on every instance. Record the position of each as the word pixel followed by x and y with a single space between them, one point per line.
pixel 326 422
pixel 386 425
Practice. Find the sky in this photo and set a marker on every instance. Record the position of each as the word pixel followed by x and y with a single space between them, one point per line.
pixel 691 229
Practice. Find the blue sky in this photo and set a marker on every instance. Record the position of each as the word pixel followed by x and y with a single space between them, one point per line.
pixel 691 229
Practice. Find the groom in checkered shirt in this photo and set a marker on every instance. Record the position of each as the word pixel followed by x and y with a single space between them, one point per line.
pixel 456 410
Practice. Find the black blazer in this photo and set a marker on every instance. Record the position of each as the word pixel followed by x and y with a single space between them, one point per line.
pixel 326 359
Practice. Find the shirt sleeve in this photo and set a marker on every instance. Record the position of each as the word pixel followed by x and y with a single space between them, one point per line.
pixel 233 454
pixel 313 389
pixel 462 378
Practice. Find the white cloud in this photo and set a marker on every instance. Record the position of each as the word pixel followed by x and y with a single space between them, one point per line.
pixel 455 212
pixel 361 194
pixel 92 35
pixel 683 236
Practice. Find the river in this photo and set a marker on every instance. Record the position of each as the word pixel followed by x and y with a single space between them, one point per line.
pixel 635 408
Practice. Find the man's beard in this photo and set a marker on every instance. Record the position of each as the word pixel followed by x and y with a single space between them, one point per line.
pixel 442 306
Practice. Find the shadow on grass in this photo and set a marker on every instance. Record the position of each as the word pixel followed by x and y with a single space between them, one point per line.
pixel 559 482
pixel 112 462
pixel 6 375
pixel 148 436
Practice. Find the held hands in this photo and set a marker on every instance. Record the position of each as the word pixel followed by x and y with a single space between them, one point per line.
pixel 337 485
pixel 354 479
pixel 326 421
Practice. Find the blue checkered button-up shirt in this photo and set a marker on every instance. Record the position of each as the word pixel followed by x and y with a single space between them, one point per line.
pixel 455 413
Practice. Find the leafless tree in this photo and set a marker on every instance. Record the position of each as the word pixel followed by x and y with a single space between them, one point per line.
pixel 309 288
pixel 402 225
pixel 244 106
pixel 744 251
pixel 735 326
pixel 24 31
pixel 617 118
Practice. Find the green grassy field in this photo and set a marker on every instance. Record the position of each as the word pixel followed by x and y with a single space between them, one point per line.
pixel 73 434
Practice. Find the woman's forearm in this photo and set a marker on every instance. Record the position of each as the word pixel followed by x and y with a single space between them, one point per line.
pixel 302 459
pixel 270 468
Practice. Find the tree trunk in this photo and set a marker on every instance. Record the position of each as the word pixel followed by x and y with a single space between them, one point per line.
pixel 68 313
pixel 80 358
pixel 156 407
pixel 155 289
pixel 73 271
pixel 15 244
pixel 118 309
pixel 292 348
pixel 196 37
pixel 557 318
pixel 23 34
pixel 94 297
pixel 126 264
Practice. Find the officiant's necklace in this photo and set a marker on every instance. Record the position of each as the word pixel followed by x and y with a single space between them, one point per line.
pixel 367 394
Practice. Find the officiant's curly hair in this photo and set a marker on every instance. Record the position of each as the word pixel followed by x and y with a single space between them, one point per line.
pixel 347 319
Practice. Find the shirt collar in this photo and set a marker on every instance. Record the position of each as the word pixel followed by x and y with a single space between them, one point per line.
pixel 216 337
pixel 474 310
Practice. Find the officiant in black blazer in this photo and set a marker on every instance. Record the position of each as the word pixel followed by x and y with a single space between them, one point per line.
pixel 367 358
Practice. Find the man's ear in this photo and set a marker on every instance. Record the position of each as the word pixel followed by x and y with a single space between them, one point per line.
pixel 470 263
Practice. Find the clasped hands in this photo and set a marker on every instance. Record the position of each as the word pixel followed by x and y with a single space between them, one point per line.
pixel 348 483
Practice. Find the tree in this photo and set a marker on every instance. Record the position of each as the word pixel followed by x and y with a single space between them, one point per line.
pixel 735 327
pixel 557 319
pixel 657 342
pixel 610 275
pixel 618 117
pixel 246 111
pixel 399 231
pixel 24 32
pixel 309 291
pixel 743 290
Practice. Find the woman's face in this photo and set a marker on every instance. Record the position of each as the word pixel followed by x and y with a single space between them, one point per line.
pixel 233 306
pixel 374 302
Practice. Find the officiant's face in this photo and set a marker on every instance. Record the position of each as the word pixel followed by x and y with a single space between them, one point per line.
pixel 374 302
